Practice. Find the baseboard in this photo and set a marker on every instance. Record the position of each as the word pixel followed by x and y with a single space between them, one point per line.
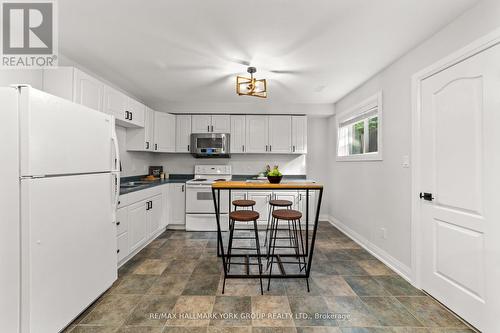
pixel 376 251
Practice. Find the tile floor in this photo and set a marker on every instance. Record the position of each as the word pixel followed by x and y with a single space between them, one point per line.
pixel 179 273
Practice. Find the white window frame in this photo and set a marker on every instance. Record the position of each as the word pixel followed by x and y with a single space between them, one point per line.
pixel 357 111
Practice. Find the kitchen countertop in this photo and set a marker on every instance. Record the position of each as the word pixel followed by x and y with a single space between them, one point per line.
pixel 182 178
pixel 153 183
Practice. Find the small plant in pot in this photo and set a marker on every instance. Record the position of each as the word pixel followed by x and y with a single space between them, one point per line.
pixel 274 176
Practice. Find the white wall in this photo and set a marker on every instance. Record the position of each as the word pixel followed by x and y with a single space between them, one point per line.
pixel 368 196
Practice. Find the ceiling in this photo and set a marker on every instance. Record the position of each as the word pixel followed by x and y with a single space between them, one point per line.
pixel 314 51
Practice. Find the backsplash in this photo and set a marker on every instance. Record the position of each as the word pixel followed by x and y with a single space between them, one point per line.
pixel 250 164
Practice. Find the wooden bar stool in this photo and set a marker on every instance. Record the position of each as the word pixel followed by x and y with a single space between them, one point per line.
pixel 297 242
pixel 273 204
pixel 243 204
pixel 244 216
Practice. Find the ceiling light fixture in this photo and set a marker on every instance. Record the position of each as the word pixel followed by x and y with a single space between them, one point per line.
pixel 251 86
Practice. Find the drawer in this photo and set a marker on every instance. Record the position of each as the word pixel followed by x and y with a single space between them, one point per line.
pixel 121 221
pixel 122 243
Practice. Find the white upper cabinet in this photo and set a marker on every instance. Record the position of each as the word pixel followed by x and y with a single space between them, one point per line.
pixel 75 85
pixel 257 130
pixel 238 134
pixel 211 123
pixel 220 124
pixel 115 103
pixel 299 134
pixel 164 132
pixel 127 111
pixel 183 133
pixel 141 139
pixel 136 112
pixel 280 134
pixel 88 91
pixel 201 123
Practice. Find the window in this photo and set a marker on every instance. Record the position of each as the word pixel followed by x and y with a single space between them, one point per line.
pixel 359 131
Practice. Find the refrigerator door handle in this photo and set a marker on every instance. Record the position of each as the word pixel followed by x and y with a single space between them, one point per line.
pixel 116 167
pixel 115 195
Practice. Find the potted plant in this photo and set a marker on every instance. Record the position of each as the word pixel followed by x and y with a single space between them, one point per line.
pixel 274 176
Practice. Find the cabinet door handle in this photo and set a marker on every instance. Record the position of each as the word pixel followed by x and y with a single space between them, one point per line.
pixel 118 251
pixel 126 115
pixel 270 148
pixel 147 145
pixel 293 149
pixel 266 147
pixel 151 205
pixel 242 147
pixel 131 115
pixel 188 148
pixel 117 223
pixel 182 188
pixel 156 146
pixel 212 128
pixel 208 128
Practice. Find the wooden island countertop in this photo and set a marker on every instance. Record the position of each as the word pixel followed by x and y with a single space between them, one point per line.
pixel 266 185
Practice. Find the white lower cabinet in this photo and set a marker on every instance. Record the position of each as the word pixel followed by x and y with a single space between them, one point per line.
pixel 298 198
pixel 312 206
pixel 177 207
pixel 261 203
pixel 138 228
pixel 123 250
pixel 155 214
pixel 141 217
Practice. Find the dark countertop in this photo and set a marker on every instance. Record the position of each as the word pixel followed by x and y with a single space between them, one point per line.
pixel 181 178
pixel 172 179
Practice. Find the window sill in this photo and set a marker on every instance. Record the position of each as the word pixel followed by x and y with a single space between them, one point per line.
pixel 360 158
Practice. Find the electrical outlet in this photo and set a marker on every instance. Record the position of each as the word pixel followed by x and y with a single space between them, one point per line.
pixel 406 161
pixel 383 233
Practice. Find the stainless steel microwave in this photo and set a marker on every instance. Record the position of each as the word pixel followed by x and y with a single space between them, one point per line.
pixel 210 144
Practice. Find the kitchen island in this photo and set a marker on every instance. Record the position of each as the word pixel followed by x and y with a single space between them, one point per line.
pixel 282 259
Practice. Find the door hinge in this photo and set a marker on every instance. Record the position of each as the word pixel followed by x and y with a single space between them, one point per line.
pixel 426 196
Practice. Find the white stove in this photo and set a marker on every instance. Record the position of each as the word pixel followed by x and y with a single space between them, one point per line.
pixel 200 211
pixel 207 174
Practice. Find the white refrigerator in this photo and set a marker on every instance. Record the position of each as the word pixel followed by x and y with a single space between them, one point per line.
pixel 59 186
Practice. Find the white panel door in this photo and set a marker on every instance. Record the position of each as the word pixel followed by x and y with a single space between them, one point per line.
pixel 201 123
pixel 88 91
pixel 115 103
pixel 69 246
pixel 280 134
pixel 257 129
pixel 261 203
pixel 238 134
pixel 460 168
pixel 164 132
pixel 182 133
pixel 61 137
pixel 155 214
pixel 138 224
pixel 221 124
pixel 299 134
